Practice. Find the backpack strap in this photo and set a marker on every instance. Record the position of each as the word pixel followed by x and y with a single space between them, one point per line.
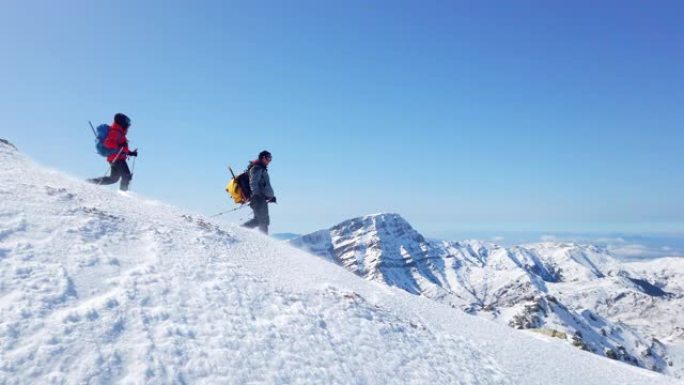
pixel 251 165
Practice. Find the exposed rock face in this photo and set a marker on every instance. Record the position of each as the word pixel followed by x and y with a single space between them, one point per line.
pixel 7 143
pixel 578 293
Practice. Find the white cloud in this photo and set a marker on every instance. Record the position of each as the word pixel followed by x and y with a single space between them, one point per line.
pixel 637 251
pixel 610 241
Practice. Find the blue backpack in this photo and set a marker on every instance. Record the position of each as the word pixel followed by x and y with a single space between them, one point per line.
pixel 101 133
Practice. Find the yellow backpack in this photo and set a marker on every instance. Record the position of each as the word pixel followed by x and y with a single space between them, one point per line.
pixel 233 189
pixel 238 187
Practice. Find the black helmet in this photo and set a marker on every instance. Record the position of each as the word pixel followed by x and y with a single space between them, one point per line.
pixel 122 120
pixel 265 154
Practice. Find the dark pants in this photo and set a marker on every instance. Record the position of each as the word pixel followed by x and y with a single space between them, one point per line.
pixel 260 207
pixel 119 171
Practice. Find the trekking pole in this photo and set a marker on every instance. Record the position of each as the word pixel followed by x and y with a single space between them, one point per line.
pixel 132 169
pixel 134 159
pixel 228 211
pixel 92 128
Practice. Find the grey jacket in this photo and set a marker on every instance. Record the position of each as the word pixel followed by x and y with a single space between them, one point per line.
pixel 259 181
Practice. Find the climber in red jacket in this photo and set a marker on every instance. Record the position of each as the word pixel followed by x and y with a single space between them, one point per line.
pixel 117 142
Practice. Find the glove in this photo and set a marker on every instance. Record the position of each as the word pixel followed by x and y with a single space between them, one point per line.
pixel 271 200
pixel 133 153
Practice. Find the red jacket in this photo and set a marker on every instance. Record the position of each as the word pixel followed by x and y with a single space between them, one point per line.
pixel 116 140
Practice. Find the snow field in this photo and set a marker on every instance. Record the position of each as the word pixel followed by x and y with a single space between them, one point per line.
pixel 100 287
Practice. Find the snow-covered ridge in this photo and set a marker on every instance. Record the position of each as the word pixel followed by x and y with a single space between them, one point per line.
pixel 102 287
pixel 6 143
pixel 576 293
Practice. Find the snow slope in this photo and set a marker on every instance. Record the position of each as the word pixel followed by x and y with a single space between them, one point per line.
pixel 575 293
pixel 103 287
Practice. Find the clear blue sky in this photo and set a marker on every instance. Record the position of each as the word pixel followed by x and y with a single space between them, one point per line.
pixel 461 116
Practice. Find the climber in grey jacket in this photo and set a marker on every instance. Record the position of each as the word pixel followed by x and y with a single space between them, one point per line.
pixel 262 192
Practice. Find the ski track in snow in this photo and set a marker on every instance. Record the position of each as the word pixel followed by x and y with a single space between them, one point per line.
pixel 98 286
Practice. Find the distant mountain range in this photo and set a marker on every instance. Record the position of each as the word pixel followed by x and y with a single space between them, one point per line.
pixel 580 294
